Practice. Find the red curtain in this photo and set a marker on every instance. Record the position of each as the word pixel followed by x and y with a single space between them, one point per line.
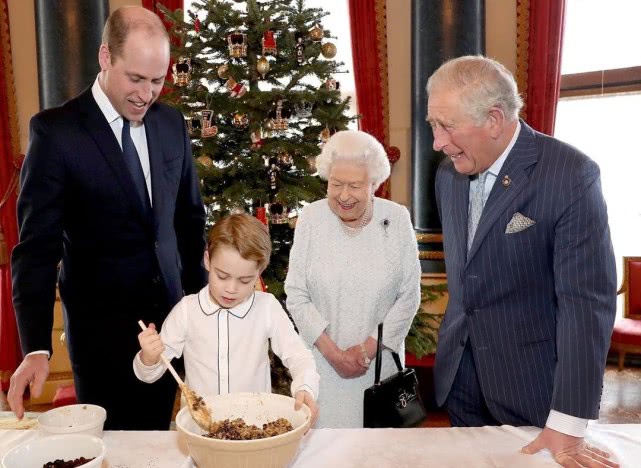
pixel 10 160
pixel 539 43
pixel 368 25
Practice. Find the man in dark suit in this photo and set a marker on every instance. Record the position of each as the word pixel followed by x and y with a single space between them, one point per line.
pixel 109 188
pixel 530 266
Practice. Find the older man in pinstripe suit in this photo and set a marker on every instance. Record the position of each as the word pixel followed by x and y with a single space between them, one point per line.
pixel 530 266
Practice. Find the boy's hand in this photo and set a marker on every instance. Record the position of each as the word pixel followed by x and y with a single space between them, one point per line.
pixel 151 344
pixel 303 396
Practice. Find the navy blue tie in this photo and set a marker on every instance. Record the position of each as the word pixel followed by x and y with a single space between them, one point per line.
pixel 133 163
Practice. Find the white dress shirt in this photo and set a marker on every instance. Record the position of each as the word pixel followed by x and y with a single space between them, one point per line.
pixel 226 350
pixel 137 132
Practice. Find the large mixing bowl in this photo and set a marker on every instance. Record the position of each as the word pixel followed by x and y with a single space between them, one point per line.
pixel 254 408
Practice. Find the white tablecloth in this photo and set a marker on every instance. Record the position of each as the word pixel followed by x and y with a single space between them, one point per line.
pixel 380 448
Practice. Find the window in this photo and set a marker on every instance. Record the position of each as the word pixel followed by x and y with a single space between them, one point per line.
pixel 600 106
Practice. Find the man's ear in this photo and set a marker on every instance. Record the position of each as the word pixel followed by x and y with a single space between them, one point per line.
pixel 496 122
pixel 104 57
pixel 206 260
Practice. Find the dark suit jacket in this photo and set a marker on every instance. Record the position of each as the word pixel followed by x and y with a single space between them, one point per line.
pixel 120 262
pixel 537 306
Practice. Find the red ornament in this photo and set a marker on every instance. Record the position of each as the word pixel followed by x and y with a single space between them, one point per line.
pixel 269 43
pixel 197 25
pixel 393 154
pixel 261 214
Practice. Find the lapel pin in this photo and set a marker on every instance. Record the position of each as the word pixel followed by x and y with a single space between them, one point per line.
pixel 506 181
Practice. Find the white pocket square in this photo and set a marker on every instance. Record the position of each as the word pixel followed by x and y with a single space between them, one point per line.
pixel 518 223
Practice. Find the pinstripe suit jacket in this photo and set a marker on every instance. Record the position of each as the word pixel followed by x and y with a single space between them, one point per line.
pixel 537 306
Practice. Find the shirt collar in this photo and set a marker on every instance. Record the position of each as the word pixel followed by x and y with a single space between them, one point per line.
pixel 103 102
pixel 495 168
pixel 209 307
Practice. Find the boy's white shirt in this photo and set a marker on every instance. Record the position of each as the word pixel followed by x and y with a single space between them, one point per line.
pixel 225 350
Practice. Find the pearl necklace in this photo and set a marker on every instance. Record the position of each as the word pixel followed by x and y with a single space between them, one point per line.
pixel 365 219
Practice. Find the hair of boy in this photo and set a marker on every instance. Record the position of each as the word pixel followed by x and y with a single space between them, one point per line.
pixel 244 233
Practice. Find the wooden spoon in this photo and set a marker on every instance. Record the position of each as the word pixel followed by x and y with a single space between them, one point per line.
pixel 197 406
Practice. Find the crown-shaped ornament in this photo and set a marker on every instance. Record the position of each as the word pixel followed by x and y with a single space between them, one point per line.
pixel 303 109
pixel 280 117
pixel 237 44
pixel 181 71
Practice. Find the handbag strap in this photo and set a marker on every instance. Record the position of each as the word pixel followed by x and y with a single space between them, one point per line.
pixel 379 353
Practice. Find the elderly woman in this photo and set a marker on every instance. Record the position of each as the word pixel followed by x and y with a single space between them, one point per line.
pixel 353 265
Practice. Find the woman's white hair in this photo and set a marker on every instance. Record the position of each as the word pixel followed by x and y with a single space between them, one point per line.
pixel 357 147
pixel 484 83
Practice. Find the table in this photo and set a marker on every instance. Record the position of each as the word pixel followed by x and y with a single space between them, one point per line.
pixel 381 448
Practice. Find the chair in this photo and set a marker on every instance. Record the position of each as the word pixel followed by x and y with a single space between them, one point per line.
pixel 626 336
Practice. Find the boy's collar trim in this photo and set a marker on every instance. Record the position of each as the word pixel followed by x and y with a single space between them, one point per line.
pixel 209 307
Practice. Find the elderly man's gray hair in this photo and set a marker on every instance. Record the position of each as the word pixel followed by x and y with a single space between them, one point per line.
pixel 484 83
pixel 357 147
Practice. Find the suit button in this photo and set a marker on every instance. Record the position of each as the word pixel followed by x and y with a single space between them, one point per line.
pixel 469 311
pixel 462 342
pixel 156 245
pixel 156 279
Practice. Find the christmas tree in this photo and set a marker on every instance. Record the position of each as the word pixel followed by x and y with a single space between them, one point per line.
pixel 257 84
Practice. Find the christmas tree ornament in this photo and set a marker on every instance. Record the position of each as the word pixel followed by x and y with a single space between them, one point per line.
pixel 223 71
pixel 236 89
pixel 269 43
pixel 240 120
pixel 278 213
pixel 205 160
pixel 207 128
pixel 273 177
pixel 262 66
pixel 331 85
pixel 261 214
pixel 328 50
pixel 316 34
pixel 181 71
pixel 292 220
pixel 285 160
pixel 325 135
pixel 197 25
pixel 299 49
pixel 311 162
pixel 279 117
pixel 193 125
pixel 237 44
pixel 303 109
pixel 257 140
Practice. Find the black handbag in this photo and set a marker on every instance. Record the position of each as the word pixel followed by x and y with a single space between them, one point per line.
pixel 396 401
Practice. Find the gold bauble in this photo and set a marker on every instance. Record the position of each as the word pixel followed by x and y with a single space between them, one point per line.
pixel 223 71
pixel 328 50
pixel 325 134
pixel 205 160
pixel 316 34
pixel 262 65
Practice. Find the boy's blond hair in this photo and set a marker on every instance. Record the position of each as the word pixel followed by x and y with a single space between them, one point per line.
pixel 244 233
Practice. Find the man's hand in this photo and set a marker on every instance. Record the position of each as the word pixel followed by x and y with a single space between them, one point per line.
pixel 303 396
pixel 33 369
pixel 151 344
pixel 569 451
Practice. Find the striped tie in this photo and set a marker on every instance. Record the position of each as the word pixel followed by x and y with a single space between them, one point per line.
pixel 476 208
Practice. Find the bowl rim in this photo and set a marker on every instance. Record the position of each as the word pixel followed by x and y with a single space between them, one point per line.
pixel 273 439
pixel 40 440
pixel 74 428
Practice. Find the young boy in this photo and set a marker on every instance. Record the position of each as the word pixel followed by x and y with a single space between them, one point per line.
pixel 223 331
